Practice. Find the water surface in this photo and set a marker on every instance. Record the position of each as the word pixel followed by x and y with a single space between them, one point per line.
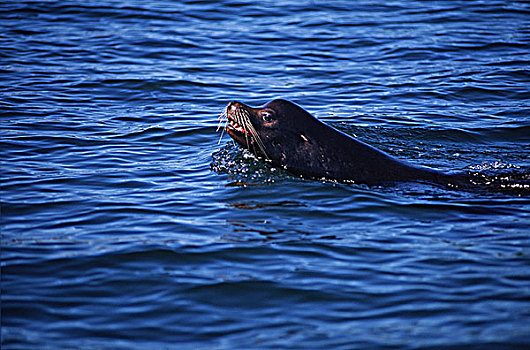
pixel 126 224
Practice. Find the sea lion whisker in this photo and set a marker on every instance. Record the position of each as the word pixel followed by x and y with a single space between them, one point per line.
pixel 223 119
pixel 243 119
pixel 221 137
pixel 245 123
pixel 257 138
pixel 238 118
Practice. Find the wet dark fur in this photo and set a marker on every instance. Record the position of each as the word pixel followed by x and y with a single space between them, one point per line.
pixel 289 137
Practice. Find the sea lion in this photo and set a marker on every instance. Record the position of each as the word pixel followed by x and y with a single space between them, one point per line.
pixel 284 134
pixel 289 137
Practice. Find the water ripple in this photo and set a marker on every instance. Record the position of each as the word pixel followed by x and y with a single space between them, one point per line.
pixel 117 195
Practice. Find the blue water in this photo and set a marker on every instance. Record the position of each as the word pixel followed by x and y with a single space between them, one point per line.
pixel 127 224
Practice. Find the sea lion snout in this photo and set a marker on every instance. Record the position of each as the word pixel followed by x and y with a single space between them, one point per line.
pixel 234 105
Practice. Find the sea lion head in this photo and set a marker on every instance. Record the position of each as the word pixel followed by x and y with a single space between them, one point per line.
pixel 272 132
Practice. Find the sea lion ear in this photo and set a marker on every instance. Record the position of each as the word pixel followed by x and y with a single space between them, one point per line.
pixel 304 138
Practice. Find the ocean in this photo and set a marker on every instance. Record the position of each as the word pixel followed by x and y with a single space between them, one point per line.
pixel 129 222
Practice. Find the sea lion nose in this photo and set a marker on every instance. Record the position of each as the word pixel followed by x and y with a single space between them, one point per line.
pixel 233 105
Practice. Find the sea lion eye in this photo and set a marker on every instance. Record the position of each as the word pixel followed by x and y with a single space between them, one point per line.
pixel 267 117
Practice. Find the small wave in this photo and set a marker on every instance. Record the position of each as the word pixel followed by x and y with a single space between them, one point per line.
pixel 242 166
pixel 502 178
